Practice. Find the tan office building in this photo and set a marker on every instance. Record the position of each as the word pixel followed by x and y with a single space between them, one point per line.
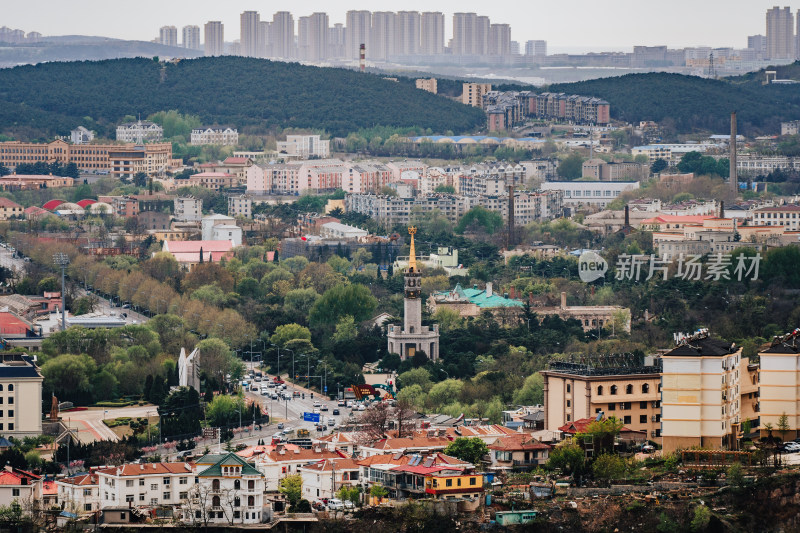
pixel 429 85
pixel 631 394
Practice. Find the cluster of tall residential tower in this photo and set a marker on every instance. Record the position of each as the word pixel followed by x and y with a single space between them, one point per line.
pixel 385 34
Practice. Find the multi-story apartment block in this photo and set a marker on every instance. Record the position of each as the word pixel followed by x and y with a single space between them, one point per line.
pixel 357 32
pixel 536 48
pixel 312 37
pixel 780 33
pixel 191 37
pixel 240 206
pixel 407 37
pixel 600 170
pixel 145 485
pixel 214 43
pixel 790 128
pixel 122 206
pixel 282 35
pixel 140 132
pixel 382 36
pixel 671 153
pixel 250 23
pixel 305 146
pixel 323 479
pixel 779 386
pixel 216 136
pixel 188 209
pixel 79 494
pixel 429 85
pixel 701 393
pixel 599 193
pixel 168 36
pixel 20 396
pixel 432 33
pixel 499 40
pixel 472 93
pixel 628 391
pixel 787 215
pixel 214 181
pixel 287 459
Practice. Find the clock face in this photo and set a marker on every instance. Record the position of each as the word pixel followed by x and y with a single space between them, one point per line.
pixel 411 282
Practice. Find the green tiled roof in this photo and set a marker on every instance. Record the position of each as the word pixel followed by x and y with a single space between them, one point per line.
pixel 479 298
pixel 229 459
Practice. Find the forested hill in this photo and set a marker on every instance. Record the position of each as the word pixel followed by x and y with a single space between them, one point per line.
pixel 252 94
pixel 692 104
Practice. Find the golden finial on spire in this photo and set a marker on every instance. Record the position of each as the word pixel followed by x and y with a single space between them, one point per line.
pixel 412 256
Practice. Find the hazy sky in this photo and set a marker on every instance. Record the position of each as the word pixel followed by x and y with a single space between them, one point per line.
pixel 565 24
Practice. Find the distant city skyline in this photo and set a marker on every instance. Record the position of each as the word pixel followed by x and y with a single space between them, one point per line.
pixel 682 23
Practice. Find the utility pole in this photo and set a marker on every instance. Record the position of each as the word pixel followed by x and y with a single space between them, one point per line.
pixel 62 260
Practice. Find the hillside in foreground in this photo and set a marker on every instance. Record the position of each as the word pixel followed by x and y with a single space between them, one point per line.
pixel 43 100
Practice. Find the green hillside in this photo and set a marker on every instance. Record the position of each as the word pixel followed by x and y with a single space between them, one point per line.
pixel 697 104
pixel 252 94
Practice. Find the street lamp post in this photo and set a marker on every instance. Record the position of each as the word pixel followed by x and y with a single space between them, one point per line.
pixel 62 260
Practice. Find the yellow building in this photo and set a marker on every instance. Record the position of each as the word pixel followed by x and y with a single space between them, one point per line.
pixel 628 392
pixel 429 85
pixel 452 484
pixel 700 394
pixel 780 384
pixel 9 209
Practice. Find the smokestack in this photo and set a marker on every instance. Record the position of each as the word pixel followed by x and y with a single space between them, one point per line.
pixel 362 57
pixel 510 239
pixel 563 300
pixel 734 174
pixel 722 209
pixel 627 216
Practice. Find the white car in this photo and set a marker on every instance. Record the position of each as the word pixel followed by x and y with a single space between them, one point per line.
pixel 335 504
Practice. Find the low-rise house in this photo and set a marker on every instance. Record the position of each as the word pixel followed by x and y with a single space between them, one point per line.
pixel 518 452
pixel 346 443
pixel 472 302
pixel 323 479
pixel 190 253
pixel 19 486
pixel 283 461
pixel 413 475
pixel 413 444
pixel 228 491
pixel 9 209
pixel 79 493
pixel 145 485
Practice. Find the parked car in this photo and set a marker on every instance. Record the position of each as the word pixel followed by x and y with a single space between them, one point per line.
pixel 335 504
pixel 349 505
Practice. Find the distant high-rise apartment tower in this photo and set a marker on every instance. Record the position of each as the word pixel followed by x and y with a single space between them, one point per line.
pixel 336 42
pixel 780 33
pixel 407 28
pixel 168 36
pixel 191 37
pixel 382 36
pixel 757 42
pixel 481 41
pixel 464 25
pixel 515 48
pixel 536 48
pixel 797 38
pixel 248 38
pixel 264 38
pixel 500 40
pixel 214 38
pixel 282 35
pixel 312 37
pixel 356 33
pixel 432 34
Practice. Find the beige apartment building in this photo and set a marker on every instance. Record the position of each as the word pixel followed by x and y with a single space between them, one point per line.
pixel 472 93
pixel 702 384
pixel 630 393
pixel 780 384
pixel 20 396
pixel 429 85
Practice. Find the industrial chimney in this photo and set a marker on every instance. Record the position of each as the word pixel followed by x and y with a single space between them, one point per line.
pixel 627 216
pixel 362 57
pixel 734 174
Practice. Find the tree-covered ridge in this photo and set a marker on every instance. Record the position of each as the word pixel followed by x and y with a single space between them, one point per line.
pixel 252 94
pixel 690 103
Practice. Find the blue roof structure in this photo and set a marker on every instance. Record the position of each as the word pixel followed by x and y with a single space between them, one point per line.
pixel 481 299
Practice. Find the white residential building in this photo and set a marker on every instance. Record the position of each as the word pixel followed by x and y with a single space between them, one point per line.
pixel 145 485
pixel 81 135
pixel 305 146
pixel 207 224
pixel 228 491
pixel 596 193
pixel 140 132
pixel 285 460
pixel 323 479
pixel 341 231
pixel 240 205
pixel 188 209
pixel 227 232
pixel 79 494
pixel 19 486
pixel 215 136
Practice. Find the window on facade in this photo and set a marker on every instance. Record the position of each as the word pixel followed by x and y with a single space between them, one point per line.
pixel 627 419
pixel 215 501
pixel 87 506
pixel 645 388
pixel 10 387
pixel 251 485
pixel 642 419
pixel 569 387
pixel 629 389
pixel 129 483
pixel 153 486
pixel 129 498
pixel 15 492
pixel 600 390
pixel 141 482
pixel 569 403
pixel 612 406
pixel 215 485
pixel 613 390
pixel 141 497
pixel 473 481
pixel 251 501
pixel 237 484
pixel 10 427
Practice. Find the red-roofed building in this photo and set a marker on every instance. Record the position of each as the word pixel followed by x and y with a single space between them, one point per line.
pixel 9 209
pixel 52 204
pixel 518 452
pixel 79 493
pixel 415 444
pixel 14 327
pixel 324 478
pixel 49 493
pixel 18 485
pixel 188 253
pixel 146 484
pixel 283 461
pixel 86 202
pixel 582 426
pixel 35 213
